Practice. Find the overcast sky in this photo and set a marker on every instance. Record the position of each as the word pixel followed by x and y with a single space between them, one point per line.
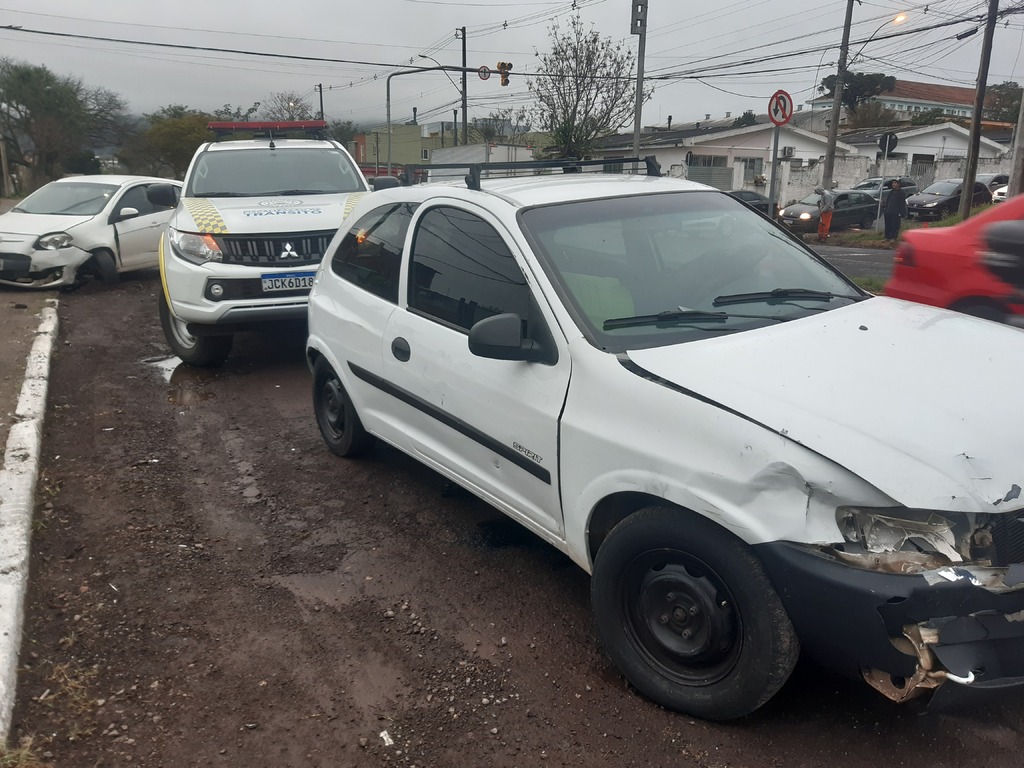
pixel 685 39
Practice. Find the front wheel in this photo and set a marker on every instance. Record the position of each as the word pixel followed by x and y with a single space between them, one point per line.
pixel 336 416
pixel 200 351
pixel 686 611
pixel 868 221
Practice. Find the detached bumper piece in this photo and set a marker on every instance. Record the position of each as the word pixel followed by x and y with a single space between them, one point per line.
pixel 956 633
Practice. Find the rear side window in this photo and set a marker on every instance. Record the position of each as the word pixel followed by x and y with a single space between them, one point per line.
pixel 370 254
pixel 462 271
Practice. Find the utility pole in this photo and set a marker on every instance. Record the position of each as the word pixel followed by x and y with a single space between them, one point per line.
pixel 638 26
pixel 465 102
pixel 1018 154
pixel 971 171
pixel 320 88
pixel 837 101
pixel 455 127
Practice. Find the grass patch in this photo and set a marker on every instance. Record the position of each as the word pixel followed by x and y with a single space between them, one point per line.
pixel 871 238
pixel 21 756
pixel 870 284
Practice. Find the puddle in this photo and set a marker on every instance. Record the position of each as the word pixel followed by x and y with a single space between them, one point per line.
pixel 186 383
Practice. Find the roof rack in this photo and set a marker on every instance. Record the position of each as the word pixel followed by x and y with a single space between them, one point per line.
pixel 567 164
pixel 302 129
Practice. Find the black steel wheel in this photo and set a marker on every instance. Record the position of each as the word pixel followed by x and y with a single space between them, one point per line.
pixel 686 611
pixel 336 416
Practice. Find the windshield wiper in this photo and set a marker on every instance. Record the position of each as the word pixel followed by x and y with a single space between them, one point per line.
pixel 302 192
pixel 668 316
pixel 224 194
pixel 780 293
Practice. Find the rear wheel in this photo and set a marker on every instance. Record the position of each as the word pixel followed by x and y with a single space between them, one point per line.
pixel 686 611
pixel 200 351
pixel 336 416
pixel 868 221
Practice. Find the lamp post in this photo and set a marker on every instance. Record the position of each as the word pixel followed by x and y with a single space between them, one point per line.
pixel 455 128
pixel 837 96
pixel 387 91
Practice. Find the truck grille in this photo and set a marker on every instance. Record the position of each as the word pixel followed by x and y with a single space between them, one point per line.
pixel 287 250
pixel 1008 537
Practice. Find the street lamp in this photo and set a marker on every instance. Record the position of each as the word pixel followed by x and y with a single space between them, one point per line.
pixel 837 96
pixel 897 19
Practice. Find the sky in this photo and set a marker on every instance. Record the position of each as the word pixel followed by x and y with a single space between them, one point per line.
pixel 701 57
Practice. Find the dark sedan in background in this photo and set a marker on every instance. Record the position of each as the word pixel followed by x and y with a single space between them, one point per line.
pixel 943 198
pixel 755 200
pixel 852 209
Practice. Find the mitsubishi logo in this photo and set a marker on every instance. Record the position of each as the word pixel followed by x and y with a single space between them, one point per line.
pixel 288 253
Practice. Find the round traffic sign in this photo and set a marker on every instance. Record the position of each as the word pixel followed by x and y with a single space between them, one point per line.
pixel 484 72
pixel 887 142
pixel 780 108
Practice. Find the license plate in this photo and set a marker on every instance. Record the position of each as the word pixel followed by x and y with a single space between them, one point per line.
pixel 287 281
pixel 789 221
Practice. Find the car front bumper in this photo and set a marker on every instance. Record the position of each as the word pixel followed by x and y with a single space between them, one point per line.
pixel 799 225
pixel 956 632
pixel 41 268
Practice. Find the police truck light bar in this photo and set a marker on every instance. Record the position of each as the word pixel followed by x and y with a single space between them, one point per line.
pixel 270 128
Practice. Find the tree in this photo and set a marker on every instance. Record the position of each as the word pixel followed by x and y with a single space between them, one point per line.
pixel 929 117
pixel 747 118
pixel 343 132
pixel 285 105
pixel 584 87
pixel 871 114
pixel 167 143
pixel 232 114
pixel 1002 102
pixel 858 87
pixel 512 124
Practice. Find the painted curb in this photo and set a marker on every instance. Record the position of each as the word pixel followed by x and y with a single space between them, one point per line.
pixel 18 478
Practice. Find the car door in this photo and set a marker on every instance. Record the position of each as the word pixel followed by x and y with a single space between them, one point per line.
pixel 981 194
pixel 842 215
pixel 492 425
pixel 137 236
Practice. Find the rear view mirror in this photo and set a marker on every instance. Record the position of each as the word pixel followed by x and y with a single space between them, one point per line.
pixel 385 182
pixel 163 195
pixel 1005 253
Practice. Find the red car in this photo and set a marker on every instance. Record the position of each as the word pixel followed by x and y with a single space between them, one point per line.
pixel 943 267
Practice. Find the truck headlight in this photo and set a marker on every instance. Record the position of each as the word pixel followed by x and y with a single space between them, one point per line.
pixel 53 241
pixel 193 247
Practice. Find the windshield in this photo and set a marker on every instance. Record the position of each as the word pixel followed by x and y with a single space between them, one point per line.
pixel 68 199
pixel 869 184
pixel 942 188
pixel 262 172
pixel 650 270
pixel 811 199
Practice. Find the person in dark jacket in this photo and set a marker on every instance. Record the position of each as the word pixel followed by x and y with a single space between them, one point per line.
pixel 894 211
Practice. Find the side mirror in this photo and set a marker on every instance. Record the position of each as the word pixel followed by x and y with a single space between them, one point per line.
pixel 162 195
pixel 1005 254
pixel 501 338
pixel 385 182
pixel 127 213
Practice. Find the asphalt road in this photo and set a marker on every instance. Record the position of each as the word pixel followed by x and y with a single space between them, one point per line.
pixel 858 262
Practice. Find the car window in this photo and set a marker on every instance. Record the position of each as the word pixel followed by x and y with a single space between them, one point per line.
pixel 811 199
pixel 942 188
pixel 135 198
pixel 867 184
pixel 261 171
pixel 462 271
pixel 370 254
pixel 842 201
pixel 68 199
pixel 979 187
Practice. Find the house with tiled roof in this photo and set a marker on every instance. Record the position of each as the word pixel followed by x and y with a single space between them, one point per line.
pixel 909 99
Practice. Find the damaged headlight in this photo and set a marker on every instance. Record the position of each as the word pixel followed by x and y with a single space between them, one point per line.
pixel 53 241
pixel 196 248
pixel 904 540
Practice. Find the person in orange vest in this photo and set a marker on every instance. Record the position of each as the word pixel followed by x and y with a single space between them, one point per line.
pixel 826 204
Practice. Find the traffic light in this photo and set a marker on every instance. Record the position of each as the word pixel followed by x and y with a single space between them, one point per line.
pixel 504 67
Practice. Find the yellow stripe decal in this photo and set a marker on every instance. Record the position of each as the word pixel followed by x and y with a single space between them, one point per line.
pixel 206 215
pixel 350 203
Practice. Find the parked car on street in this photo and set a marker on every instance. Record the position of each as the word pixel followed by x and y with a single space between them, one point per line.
pixel 81 226
pixel 993 180
pixel 999 196
pixel 944 267
pixel 749 454
pixel 942 199
pixel 755 200
pixel 877 185
pixel 852 209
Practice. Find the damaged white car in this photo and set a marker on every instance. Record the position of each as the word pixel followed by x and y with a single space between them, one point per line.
pixel 82 225
pixel 751 455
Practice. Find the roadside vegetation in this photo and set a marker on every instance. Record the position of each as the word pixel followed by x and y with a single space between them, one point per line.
pixel 872 238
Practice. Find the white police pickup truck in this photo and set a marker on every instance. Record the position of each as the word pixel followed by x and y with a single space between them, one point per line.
pixel 255 218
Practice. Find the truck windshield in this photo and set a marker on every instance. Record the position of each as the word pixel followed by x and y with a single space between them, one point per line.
pixel 263 172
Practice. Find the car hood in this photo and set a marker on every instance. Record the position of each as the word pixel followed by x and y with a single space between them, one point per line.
pixel 36 224
pixel 797 208
pixel 918 401
pixel 921 198
pixel 245 215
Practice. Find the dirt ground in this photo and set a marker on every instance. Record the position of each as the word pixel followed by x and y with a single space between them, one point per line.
pixel 210 587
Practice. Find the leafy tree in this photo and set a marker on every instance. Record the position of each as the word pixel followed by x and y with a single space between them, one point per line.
pixel 859 87
pixel 747 118
pixel 47 119
pixel 167 143
pixel 929 117
pixel 84 162
pixel 286 105
pixel 1002 102
pixel 232 114
pixel 343 131
pixel 585 88
pixel 871 114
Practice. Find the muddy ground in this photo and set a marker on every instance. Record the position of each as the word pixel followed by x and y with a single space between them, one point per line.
pixel 210 586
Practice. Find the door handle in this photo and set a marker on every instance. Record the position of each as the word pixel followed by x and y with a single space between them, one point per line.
pixel 401 350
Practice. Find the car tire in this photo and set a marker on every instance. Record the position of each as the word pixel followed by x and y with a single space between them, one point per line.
pixel 200 351
pixel 686 611
pixel 336 416
pixel 981 309
pixel 868 221
pixel 105 267
pixel 944 211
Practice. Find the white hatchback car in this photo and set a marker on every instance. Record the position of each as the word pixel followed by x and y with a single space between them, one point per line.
pixel 750 454
pixel 96 225
pixel 999 194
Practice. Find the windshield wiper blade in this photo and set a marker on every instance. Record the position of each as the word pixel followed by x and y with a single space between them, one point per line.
pixel 301 192
pixel 668 316
pixel 224 194
pixel 781 294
